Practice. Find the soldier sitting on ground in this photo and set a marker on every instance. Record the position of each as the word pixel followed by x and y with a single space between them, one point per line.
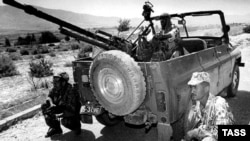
pixel 208 111
pixel 62 103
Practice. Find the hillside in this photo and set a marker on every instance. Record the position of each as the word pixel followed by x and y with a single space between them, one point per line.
pixel 12 19
pixel 15 19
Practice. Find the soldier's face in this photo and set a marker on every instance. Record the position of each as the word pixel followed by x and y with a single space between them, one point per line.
pixel 199 91
pixel 56 82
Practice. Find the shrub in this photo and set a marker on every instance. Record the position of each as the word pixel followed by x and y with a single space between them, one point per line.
pixel 34 52
pixel 65 49
pixel 246 29
pixel 51 45
pixel 39 56
pixel 75 46
pixel 45 84
pixel 83 52
pixel 67 38
pixel 68 64
pixel 7 42
pixel 48 37
pixel 11 50
pixel 52 54
pixel 24 52
pixel 42 68
pixel 43 50
pixel 29 39
pixel 57 47
pixel 7 67
pixel 15 56
pixel 38 83
pixel 123 25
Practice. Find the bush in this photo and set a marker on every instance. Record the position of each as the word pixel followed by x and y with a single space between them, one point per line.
pixel 29 39
pixel 11 50
pixel 39 56
pixel 52 54
pixel 84 52
pixel 246 29
pixel 34 52
pixel 123 25
pixel 42 68
pixel 48 37
pixel 24 52
pixel 7 42
pixel 7 67
pixel 64 49
pixel 75 46
pixel 15 56
pixel 57 47
pixel 68 64
pixel 43 50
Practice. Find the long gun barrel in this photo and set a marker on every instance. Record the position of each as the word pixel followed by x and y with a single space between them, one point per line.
pixel 102 42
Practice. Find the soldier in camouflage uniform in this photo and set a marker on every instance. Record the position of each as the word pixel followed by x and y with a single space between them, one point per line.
pixel 166 43
pixel 207 112
pixel 62 103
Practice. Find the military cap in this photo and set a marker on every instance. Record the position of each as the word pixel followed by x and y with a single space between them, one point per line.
pixel 62 75
pixel 198 77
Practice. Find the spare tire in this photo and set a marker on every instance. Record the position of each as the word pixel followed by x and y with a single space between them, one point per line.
pixel 117 82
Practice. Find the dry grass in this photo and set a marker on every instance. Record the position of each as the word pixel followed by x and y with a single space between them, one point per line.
pixel 18 88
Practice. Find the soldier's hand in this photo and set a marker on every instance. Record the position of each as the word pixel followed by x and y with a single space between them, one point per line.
pixel 192 134
pixel 53 105
pixel 55 110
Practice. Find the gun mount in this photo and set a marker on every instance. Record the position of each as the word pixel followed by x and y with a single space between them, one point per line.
pixel 100 38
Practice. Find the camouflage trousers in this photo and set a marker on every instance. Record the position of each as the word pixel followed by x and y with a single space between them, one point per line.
pixel 72 123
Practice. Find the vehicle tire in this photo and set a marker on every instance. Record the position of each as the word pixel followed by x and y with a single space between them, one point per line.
pixel 117 82
pixel 105 119
pixel 233 87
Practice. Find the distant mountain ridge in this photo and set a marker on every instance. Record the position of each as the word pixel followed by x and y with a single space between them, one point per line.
pixel 14 19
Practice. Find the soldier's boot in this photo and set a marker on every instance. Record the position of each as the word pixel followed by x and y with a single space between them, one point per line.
pixel 53 131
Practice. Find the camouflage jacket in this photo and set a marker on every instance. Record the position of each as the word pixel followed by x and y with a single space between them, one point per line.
pixel 216 112
pixel 67 97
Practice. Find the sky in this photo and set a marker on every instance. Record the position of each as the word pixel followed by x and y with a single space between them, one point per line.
pixel 133 8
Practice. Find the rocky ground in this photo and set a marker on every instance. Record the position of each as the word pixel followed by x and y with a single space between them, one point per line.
pixel 35 128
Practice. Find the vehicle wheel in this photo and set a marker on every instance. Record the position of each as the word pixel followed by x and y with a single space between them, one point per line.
pixel 233 87
pixel 117 82
pixel 106 120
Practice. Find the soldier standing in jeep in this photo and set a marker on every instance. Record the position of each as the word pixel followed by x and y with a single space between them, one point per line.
pixel 166 43
pixel 208 112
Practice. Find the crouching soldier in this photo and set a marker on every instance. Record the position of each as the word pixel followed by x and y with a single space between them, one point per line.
pixel 62 103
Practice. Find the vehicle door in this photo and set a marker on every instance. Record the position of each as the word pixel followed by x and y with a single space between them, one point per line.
pixel 225 67
pixel 210 63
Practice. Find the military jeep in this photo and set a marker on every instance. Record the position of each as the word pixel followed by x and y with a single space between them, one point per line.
pixel 123 83
pixel 147 92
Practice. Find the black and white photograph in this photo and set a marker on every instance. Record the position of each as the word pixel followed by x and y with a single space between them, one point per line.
pixel 124 70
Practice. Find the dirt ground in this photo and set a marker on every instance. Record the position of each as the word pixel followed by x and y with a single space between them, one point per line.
pixel 35 128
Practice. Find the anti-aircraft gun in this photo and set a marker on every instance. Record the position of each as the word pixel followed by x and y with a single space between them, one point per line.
pixel 100 38
pixel 122 82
